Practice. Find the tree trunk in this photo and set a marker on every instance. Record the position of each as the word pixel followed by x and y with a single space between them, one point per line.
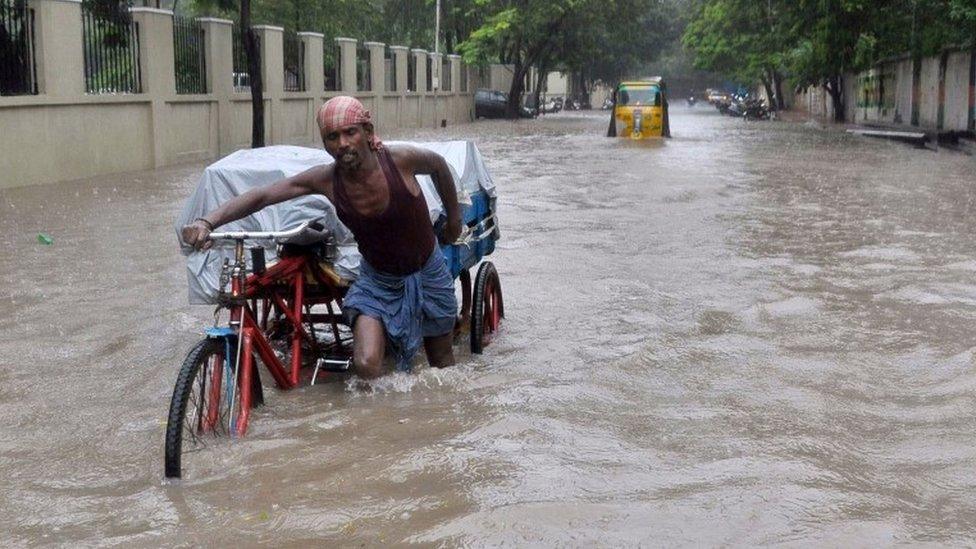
pixel 769 90
pixel 515 92
pixel 254 69
pixel 835 87
pixel 539 82
pixel 778 90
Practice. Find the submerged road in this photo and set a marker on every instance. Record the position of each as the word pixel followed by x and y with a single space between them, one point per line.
pixel 753 333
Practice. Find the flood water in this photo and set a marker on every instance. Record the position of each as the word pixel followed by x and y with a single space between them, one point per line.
pixel 750 334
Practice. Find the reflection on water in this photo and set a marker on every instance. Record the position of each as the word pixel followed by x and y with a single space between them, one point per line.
pixel 752 333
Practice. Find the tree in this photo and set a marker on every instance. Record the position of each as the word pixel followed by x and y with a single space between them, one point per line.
pixel 743 39
pixel 598 39
pixel 521 33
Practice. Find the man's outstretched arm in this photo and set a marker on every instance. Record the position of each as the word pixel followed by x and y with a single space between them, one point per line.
pixel 313 180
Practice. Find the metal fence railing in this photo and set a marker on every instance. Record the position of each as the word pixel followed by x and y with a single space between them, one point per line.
pixel 330 65
pixel 389 70
pixel 364 80
pixel 463 84
pixel 241 75
pixel 430 74
pixel 446 75
pixel 411 72
pixel 294 61
pixel 18 68
pixel 190 58
pixel 111 48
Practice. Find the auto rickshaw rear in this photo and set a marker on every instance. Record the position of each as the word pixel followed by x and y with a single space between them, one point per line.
pixel 640 110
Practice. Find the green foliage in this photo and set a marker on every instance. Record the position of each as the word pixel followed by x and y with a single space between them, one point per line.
pixel 817 40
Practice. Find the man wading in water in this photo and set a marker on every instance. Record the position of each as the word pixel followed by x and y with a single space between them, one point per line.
pixel 404 291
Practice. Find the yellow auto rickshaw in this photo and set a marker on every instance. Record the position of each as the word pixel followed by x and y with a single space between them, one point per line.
pixel 640 110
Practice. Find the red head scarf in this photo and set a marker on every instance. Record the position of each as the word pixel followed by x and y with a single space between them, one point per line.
pixel 342 111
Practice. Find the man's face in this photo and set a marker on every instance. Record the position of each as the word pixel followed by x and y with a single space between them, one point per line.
pixel 348 145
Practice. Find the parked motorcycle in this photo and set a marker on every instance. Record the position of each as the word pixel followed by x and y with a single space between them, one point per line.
pixel 692 100
pixel 552 106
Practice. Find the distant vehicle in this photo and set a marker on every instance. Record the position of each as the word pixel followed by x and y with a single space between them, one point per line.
pixel 552 105
pixel 242 82
pixel 493 103
pixel 692 100
pixel 716 97
pixel 640 110
pixel 607 104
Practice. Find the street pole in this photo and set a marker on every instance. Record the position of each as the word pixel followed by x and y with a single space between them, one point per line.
pixel 437 41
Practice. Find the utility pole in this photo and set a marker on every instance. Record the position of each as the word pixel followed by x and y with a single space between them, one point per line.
pixel 437 41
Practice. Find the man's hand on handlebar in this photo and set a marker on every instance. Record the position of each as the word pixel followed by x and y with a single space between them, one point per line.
pixel 197 234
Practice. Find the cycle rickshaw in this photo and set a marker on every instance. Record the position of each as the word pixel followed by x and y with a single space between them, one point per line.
pixel 279 302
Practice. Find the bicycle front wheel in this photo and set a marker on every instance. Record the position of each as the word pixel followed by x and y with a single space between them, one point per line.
pixel 205 403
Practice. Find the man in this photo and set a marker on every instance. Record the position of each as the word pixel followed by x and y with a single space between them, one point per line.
pixel 405 291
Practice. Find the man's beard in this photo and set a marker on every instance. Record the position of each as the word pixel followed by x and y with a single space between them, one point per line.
pixel 349 160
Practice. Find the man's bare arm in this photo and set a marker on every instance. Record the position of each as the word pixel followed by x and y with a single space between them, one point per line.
pixel 427 162
pixel 310 181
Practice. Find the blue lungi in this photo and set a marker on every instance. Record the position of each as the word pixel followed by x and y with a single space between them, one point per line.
pixel 411 307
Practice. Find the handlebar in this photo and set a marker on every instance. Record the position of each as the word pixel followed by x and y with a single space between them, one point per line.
pixel 250 235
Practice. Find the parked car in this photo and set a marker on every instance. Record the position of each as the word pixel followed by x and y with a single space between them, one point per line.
pixel 492 104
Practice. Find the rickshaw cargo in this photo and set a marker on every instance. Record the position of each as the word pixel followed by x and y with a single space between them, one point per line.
pixel 246 169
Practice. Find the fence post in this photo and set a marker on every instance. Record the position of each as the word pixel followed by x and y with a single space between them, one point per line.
pixel 455 61
pixel 218 52
pixel 314 77
pixel 156 57
pixel 400 66
pixel 60 52
pixel 436 78
pixel 420 69
pixel 156 71
pixel 347 64
pixel 377 72
pixel 437 103
pixel 273 77
pixel 454 100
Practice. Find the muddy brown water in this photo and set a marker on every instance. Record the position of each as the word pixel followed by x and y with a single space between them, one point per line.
pixel 754 333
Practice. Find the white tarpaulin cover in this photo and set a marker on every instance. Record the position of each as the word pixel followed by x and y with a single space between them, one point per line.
pixel 246 169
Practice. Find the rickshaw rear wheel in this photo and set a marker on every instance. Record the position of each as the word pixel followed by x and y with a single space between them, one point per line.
pixel 487 307
pixel 201 409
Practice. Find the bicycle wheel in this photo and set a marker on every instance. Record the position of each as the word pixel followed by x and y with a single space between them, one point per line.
pixel 205 403
pixel 487 308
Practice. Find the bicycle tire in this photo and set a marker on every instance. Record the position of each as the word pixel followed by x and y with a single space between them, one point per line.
pixel 183 397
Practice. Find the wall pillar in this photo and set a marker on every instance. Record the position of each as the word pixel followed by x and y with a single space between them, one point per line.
pixel 314 61
pixel 156 57
pixel 314 77
pixel 971 117
pixel 60 56
pixel 437 106
pixel 218 51
pixel 401 66
pixel 420 69
pixel 435 73
pixel 347 64
pixel 455 61
pixel 157 71
pixel 377 72
pixel 273 78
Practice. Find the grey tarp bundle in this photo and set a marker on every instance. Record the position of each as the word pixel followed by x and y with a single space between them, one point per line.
pixel 246 169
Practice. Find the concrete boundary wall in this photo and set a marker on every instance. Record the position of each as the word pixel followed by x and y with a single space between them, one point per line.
pixel 64 133
pixel 943 97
